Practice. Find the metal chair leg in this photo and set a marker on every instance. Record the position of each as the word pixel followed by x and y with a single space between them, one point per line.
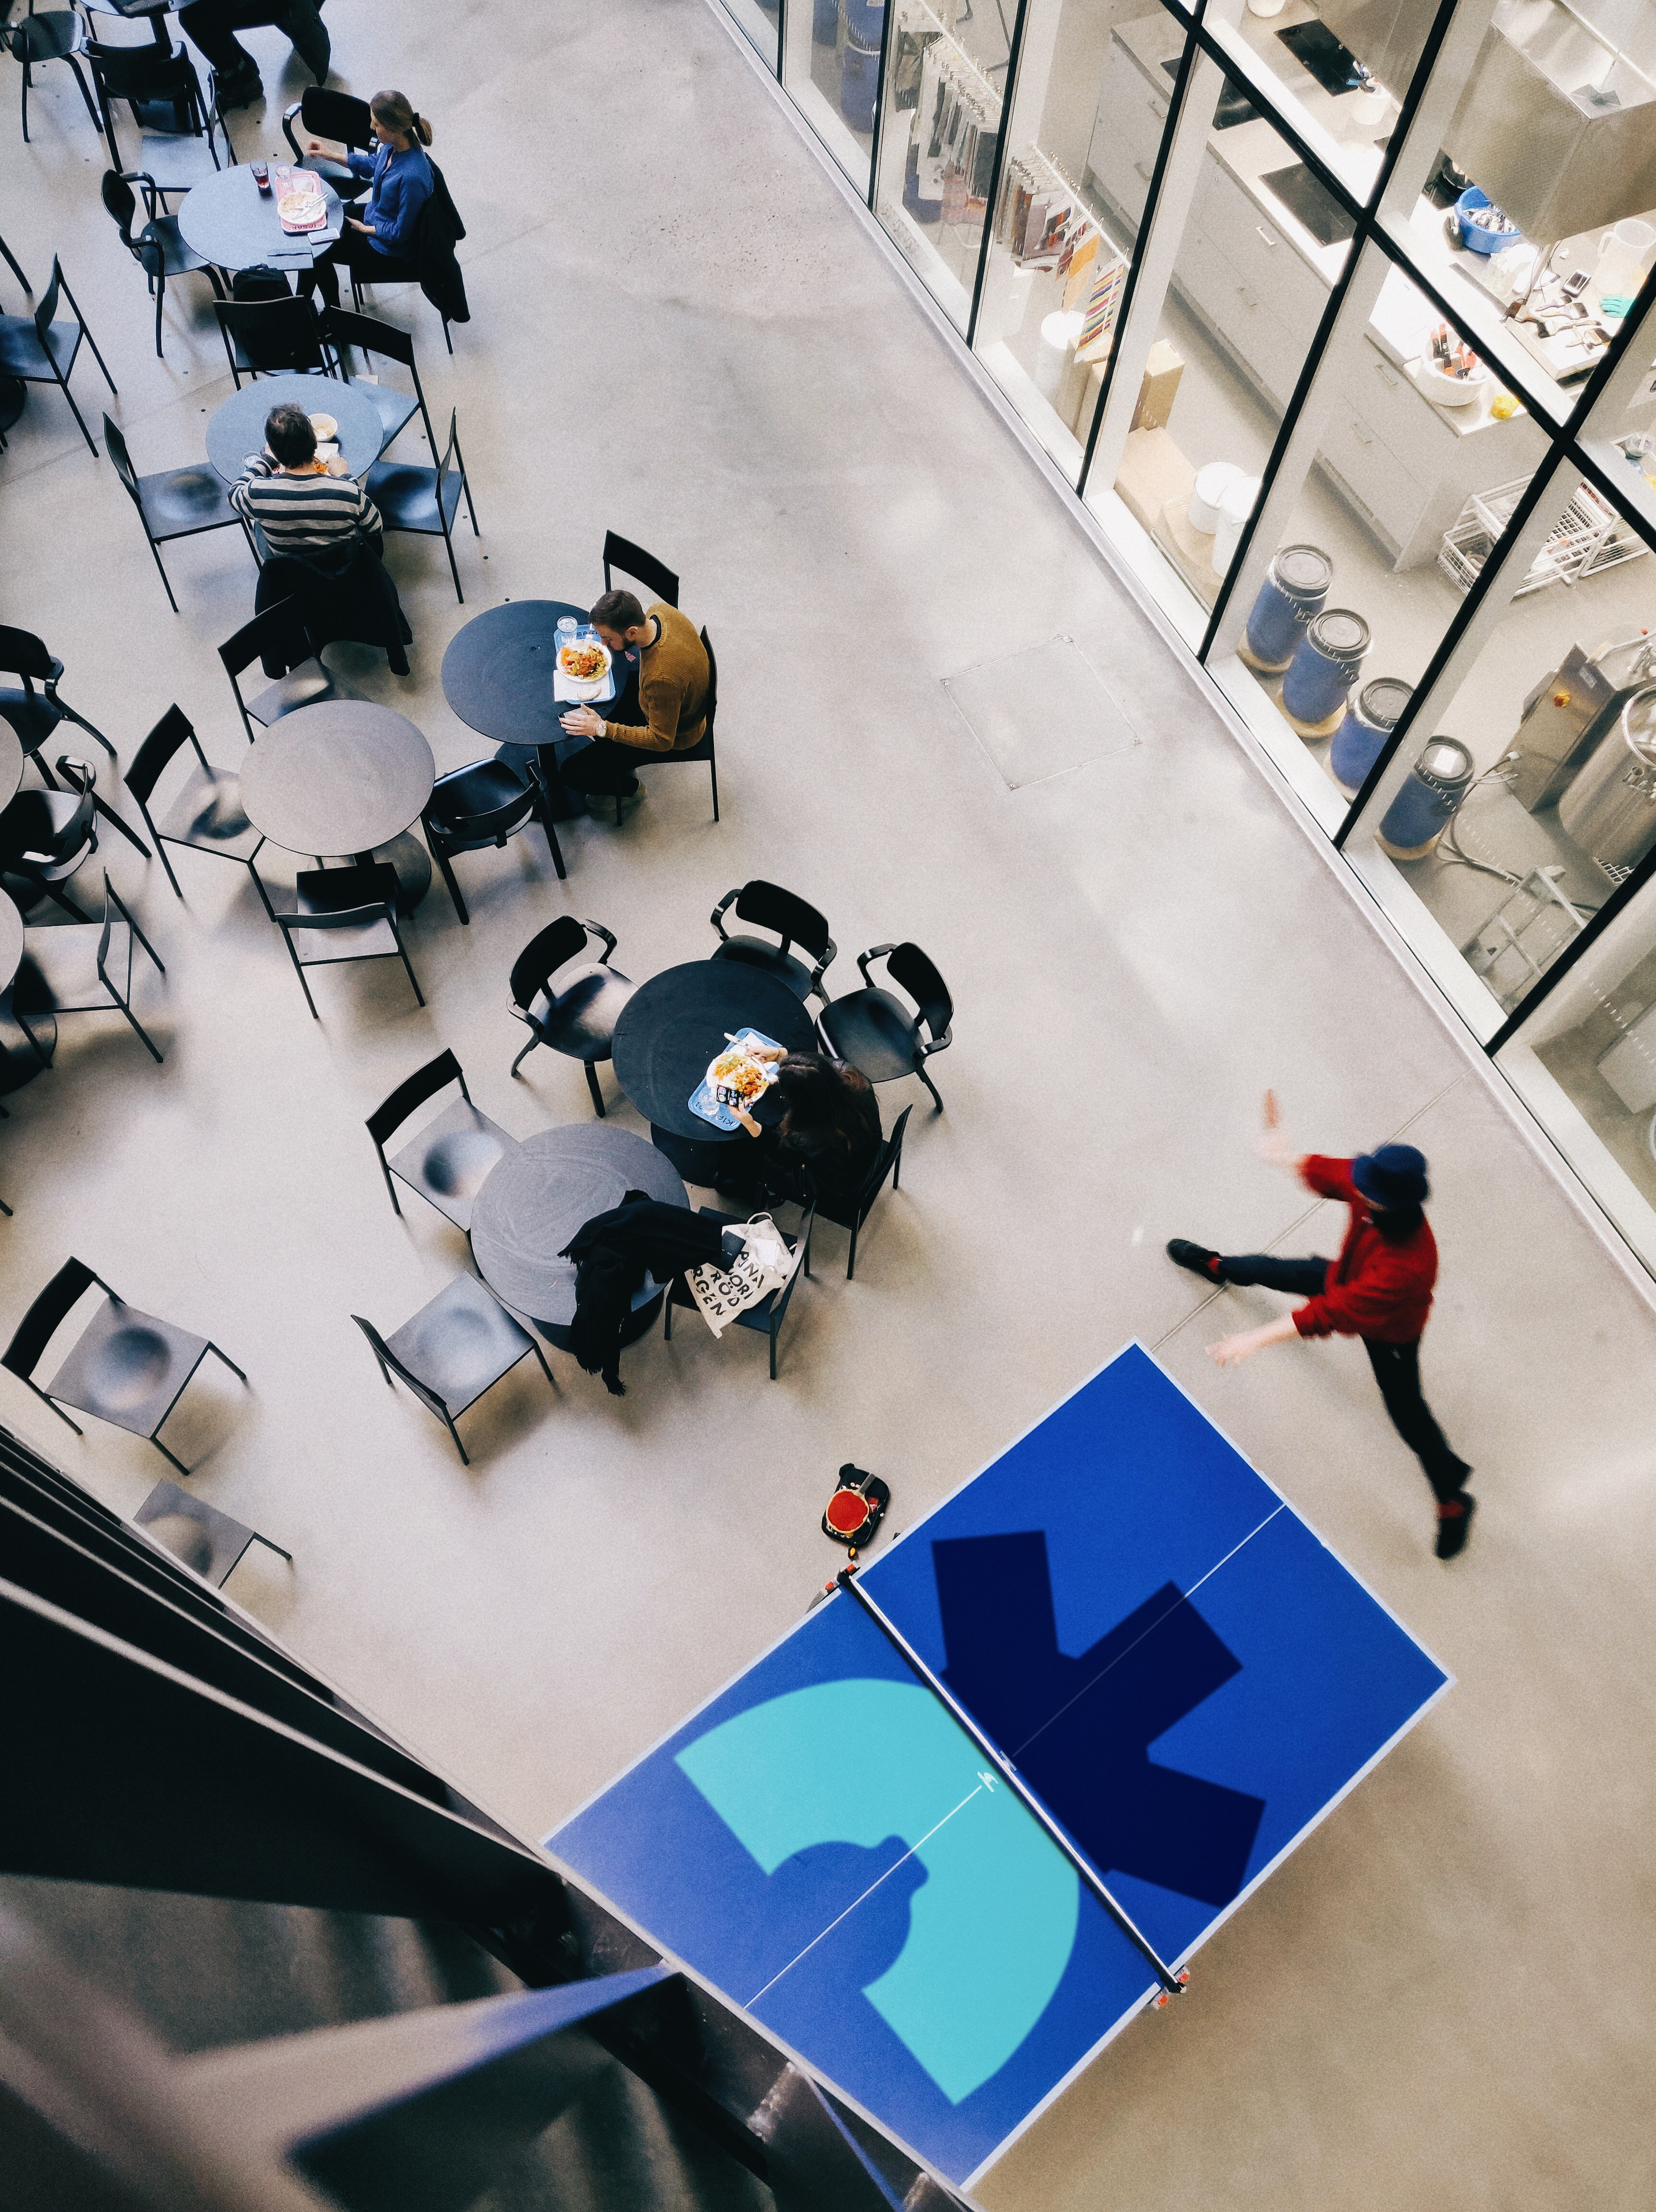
pixel 170 1457
pixel 270 1546
pixel 930 1086
pixel 219 1354
pixel 592 1085
pixel 524 1055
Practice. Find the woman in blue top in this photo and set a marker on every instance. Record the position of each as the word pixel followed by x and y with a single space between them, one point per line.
pixel 385 247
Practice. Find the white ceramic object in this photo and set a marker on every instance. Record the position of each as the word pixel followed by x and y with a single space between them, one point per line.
pixel 1624 255
pixel 1266 7
pixel 1212 482
pixel 1060 335
pixel 1446 390
pixel 1370 106
pixel 1235 508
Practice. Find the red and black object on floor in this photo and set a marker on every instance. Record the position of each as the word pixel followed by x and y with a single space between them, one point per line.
pixel 856 1509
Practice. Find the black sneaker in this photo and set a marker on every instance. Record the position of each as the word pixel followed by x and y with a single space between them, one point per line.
pixel 1196 1257
pixel 242 90
pixel 1454 1528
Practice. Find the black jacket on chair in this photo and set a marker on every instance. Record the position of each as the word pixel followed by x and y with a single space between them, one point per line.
pixel 440 230
pixel 613 1253
pixel 353 600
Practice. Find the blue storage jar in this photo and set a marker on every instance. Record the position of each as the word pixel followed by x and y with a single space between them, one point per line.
pixel 825 22
pixel 1325 664
pixel 1426 805
pixel 859 83
pixel 864 21
pixel 1294 591
pixel 1370 719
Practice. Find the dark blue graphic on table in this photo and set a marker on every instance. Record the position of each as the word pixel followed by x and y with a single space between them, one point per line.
pixel 1176 1667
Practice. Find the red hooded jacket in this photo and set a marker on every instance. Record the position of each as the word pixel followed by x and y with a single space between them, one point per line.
pixel 1376 1287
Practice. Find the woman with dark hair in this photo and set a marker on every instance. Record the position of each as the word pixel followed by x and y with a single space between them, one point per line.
pixel 827 1137
pixel 384 248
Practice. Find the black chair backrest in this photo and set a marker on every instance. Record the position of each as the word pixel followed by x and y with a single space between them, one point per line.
pixel 144 73
pixel 29 839
pixel 327 113
pixel 340 898
pixel 48 307
pixel 173 730
pixel 495 824
pixel 115 446
pixel 425 1084
pixel 22 653
pixel 795 921
pixel 712 678
pixel 427 1396
pixel 885 1159
pixel 119 202
pixel 279 634
pixel 33 1333
pixel 275 332
pixel 367 333
pixel 549 949
pixel 911 971
pixel 633 561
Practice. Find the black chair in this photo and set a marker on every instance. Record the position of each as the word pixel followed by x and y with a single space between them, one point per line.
pixel 484 804
pixel 173 502
pixel 345 913
pixel 16 267
pixel 44 835
pixel 452 1351
pixel 160 83
pixel 70 969
pixel 767 1317
pixel 204 813
pixel 579 1017
pixel 877 1033
pixel 278 639
pixel 126 1367
pixel 422 257
pixel 380 341
pixel 272 338
pixel 35 715
pixel 57 36
pixel 452 1157
pixel 643 567
pixel 209 1542
pixel 159 248
pixel 851 1213
pixel 703 749
pixel 38 350
pixel 769 906
pixel 426 502
pixel 341 117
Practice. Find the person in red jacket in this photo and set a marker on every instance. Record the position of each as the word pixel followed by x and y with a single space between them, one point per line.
pixel 1379 1289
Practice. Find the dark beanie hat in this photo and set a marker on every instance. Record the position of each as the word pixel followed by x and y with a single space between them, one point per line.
pixel 1392 1174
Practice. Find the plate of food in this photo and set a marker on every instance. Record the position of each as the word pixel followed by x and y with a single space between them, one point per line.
pixel 584 665
pixel 325 427
pixel 736 1077
pixel 300 204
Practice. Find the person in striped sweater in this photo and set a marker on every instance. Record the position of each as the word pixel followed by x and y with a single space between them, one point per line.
pixel 314 510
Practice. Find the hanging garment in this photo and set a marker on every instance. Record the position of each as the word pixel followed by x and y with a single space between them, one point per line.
pixel 613 1252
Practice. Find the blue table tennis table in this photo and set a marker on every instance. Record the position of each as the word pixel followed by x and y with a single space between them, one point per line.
pixel 946 1844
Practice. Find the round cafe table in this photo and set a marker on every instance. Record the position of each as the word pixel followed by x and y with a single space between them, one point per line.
pixel 497 674
pixel 237 428
pixel 231 224
pixel 672 1026
pixel 345 777
pixel 536 1198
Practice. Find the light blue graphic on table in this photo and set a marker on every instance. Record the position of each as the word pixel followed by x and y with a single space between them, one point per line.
pixel 704 1099
pixel 961 2014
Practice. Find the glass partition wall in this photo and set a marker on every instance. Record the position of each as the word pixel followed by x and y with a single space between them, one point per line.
pixel 1339 317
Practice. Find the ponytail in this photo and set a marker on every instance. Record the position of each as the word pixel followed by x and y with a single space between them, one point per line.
pixel 397 112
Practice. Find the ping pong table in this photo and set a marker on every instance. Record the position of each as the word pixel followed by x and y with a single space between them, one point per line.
pixel 945 1844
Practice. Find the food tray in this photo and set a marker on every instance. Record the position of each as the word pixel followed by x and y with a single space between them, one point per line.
pixel 301 207
pixel 565 686
pixel 705 1101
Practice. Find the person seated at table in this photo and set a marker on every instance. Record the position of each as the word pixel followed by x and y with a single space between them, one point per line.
pixel 826 1141
pixel 672 679
pixel 213 25
pixel 385 248
pixel 313 509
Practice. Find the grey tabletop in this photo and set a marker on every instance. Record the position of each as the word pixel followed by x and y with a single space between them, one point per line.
pixel 237 428
pixel 539 1196
pixel 231 224
pixel 11 763
pixel 11 942
pixel 497 673
pixel 342 777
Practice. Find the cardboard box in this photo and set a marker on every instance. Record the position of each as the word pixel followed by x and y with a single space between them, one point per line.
pixel 1160 388
pixel 1153 471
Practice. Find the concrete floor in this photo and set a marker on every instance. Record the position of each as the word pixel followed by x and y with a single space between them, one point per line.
pixel 680 331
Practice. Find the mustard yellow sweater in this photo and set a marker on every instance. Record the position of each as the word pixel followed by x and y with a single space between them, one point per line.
pixel 672 685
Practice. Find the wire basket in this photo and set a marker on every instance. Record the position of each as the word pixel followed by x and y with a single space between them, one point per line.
pixel 1588 536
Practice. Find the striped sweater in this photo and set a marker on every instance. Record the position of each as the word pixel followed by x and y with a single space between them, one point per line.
pixel 303 514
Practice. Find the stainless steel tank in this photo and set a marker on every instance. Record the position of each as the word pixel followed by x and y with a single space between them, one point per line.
pixel 1610 809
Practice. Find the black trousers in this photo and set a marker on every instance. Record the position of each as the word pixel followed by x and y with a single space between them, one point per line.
pixel 355 249
pixel 1396 1368
pixel 213 24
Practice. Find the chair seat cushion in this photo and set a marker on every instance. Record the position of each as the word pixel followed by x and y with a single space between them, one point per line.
pixel 128 1368
pixel 59 973
pixel 874 1031
pixel 581 1021
pixel 33 719
pixel 161 241
pixel 460 1343
pixel 307 685
pixel 406 496
pixel 395 409
pixel 21 353
pixel 756 953
pixel 177 501
pixel 208 812
pixel 452 1158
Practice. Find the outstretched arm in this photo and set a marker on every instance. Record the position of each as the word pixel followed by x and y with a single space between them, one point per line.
pixel 1231 1350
